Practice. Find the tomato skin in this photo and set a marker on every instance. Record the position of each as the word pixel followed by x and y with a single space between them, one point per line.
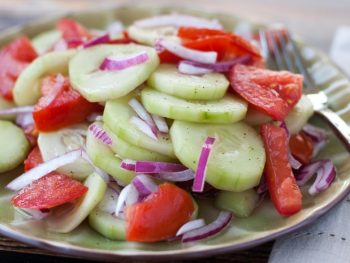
pixel 301 147
pixel 49 191
pixel 160 215
pixel 16 56
pixel 60 107
pixel 272 92
pixel 284 191
pixel 73 33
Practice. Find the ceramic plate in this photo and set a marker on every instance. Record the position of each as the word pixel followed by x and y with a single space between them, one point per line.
pixel 264 225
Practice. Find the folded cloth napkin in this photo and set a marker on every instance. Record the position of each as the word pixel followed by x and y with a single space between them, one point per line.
pixel 328 239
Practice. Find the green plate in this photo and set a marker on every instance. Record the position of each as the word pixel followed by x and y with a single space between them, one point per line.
pixel 264 225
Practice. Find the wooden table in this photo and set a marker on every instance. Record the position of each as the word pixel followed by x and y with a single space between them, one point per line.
pixel 314 20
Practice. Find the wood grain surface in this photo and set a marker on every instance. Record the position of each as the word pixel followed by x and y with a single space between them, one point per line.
pixel 314 20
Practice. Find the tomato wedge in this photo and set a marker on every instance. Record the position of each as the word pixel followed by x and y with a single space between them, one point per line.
pixel 272 92
pixel 49 191
pixel 227 45
pixel 302 147
pixel 284 191
pixel 15 57
pixel 34 159
pixel 160 215
pixel 72 32
pixel 61 106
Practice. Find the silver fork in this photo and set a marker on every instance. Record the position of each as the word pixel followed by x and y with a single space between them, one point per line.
pixel 291 60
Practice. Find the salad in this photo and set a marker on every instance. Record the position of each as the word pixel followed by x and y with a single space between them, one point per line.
pixel 128 127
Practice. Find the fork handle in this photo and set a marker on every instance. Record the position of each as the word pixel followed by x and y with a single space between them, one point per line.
pixel 338 125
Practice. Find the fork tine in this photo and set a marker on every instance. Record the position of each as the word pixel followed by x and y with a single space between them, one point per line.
pixel 286 55
pixel 265 49
pixel 299 62
pixel 275 50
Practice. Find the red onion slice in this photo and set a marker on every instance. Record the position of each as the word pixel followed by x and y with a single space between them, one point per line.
pixel 177 21
pixel 182 176
pixel 128 165
pixel 158 167
pixel 100 134
pixel 16 111
pixel 24 120
pixel 143 114
pixel 115 64
pixel 94 117
pixel 262 187
pixel 144 185
pixel 294 162
pixel 128 196
pixel 212 229
pixel 191 225
pixel 199 179
pixel 325 176
pixel 143 127
pixel 318 136
pixel 187 53
pixel 189 69
pixel 97 41
pixel 160 123
pixel 43 169
pixel 216 67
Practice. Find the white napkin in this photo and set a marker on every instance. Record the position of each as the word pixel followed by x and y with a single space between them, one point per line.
pixel 328 239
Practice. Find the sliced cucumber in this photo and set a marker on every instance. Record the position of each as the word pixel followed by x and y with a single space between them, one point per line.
pixel 46 40
pixel 103 157
pixel 241 204
pixel 237 158
pixel 27 86
pixel 64 220
pixel 256 118
pixel 5 104
pixel 117 115
pixel 129 151
pixel 57 143
pixel 196 210
pixel 148 36
pixel 107 225
pixel 14 146
pixel 97 85
pixel 169 80
pixel 226 110
pixel 299 115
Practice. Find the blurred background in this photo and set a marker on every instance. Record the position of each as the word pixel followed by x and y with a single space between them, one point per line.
pixel 315 20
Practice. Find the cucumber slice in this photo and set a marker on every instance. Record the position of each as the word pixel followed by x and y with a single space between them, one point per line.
pixel 237 158
pixel 57 143
pixel 14 146
pixel 5 104
pixel 64 220
pixel 299 115
pixel 148 36
pixel 117 115
pixel 103 157
pixel 27 87
pixel 169 80
pixel 226 110
pixel 256 118
pixel 107 225
pixel 196 210
pixel 45 41
pixel 97 85
pixel 128 151
pixel 241 204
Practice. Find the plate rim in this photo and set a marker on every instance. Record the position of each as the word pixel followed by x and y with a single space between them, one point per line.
pixel 107 255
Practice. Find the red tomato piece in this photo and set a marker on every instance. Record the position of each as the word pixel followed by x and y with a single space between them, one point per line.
pixel 272 92
pixel 72 32
pixel 15 56
pixel 302 147
pixel 34 159
pixel 284 191
pixel 49 191
pixel 61 106
pixel 160 215
pixel 227 45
